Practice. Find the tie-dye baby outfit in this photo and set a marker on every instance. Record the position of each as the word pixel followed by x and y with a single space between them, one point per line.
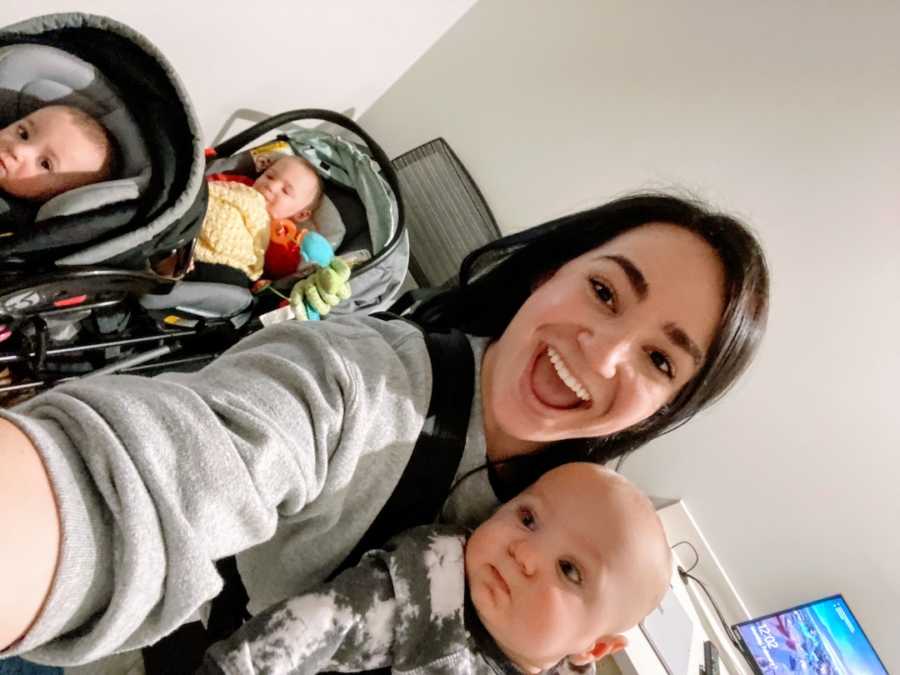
pixel 403 607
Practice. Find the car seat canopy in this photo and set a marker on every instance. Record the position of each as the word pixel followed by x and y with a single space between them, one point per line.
pixel 33 76
pixel 115 74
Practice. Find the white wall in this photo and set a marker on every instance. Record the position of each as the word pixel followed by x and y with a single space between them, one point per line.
pixel 277 55
pixel 787 114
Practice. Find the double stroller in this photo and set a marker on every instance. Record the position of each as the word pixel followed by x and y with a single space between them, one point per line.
pixel 80 290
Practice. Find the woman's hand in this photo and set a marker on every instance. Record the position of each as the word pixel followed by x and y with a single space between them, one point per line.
pixel 29 534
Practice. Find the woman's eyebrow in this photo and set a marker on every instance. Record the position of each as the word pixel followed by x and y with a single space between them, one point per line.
pixel 681 339
pixel 639 284
pixel 634 275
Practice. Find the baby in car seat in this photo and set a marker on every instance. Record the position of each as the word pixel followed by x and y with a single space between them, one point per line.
pixel 243 215
pixel 252 226
pixel 54 149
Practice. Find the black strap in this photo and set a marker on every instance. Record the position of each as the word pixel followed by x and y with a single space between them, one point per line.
pixel 182 650
pixel 228 610
pixel 416 500
pixel 423 487
pixel 425 483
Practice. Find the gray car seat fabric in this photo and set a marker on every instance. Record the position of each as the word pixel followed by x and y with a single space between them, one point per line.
pixel 171 207
pixel 14 214
pixel 365 205
pixel 202 298
pixel 32 76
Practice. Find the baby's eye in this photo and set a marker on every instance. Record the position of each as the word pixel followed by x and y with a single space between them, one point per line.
pixel 604 293
pixel 570 572
pixel 526 517
pixel 22 132
pixel 46 165
pixel 662 363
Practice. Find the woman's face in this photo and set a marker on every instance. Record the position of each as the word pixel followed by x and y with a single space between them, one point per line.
pixel 603 342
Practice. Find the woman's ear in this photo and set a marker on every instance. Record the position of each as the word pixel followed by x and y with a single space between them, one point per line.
pixel 602 647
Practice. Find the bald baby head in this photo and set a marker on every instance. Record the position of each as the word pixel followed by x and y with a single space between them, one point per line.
pixel 568 565
pixel 627 532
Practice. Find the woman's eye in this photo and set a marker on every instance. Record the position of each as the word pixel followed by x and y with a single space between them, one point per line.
pixel 23 133
pixel 604 293
pixel 570 572
pixel 526 517
pixel 662 364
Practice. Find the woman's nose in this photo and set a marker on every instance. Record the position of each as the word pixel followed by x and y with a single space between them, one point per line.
pixel 525 556
pixel 607 353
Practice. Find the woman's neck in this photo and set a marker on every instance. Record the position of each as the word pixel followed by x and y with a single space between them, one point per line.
pixel 501 446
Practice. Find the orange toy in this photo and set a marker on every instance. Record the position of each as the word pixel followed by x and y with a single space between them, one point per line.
pixel 283 253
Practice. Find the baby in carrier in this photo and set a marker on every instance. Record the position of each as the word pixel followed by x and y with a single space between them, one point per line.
pixel 557 573
pixel 254 227
pixel 54 149
pixel 58 148
pixel 243 214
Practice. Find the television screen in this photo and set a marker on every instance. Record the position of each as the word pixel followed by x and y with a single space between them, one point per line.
pixel 818 638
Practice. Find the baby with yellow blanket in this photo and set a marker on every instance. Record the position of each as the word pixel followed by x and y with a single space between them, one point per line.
pixel 241 214
pixel 243 235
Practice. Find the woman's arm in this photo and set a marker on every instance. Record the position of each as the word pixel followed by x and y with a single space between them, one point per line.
pixel 29 543
pixel 154 479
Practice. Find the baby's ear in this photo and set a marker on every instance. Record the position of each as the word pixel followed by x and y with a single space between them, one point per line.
pixel 602 647
pixel 303 216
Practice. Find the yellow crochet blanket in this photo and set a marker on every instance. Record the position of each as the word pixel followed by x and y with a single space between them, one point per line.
pixel 235 231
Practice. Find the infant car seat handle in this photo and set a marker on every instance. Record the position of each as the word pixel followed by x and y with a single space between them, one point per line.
pixel 236 143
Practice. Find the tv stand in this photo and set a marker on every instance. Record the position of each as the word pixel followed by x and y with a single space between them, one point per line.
pixel 639 658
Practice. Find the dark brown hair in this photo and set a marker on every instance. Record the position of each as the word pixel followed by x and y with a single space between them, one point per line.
pixel 495 280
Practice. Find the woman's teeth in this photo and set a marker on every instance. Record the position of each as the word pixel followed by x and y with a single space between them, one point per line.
pixel 566 376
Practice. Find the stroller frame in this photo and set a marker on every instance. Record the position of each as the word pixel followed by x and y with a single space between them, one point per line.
pixel 51 295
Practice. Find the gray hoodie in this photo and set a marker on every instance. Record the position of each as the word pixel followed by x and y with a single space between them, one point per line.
pixel 283 451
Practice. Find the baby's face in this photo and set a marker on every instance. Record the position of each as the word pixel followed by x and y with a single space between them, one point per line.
pixel 45 154
pixel 289 187
pixel 544 573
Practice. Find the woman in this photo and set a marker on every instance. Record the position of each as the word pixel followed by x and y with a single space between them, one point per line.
pixel 594 334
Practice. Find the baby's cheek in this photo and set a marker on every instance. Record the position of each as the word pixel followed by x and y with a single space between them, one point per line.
pixel 547 611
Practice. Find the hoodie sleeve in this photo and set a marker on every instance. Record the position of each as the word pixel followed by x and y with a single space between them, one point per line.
pixel 156 478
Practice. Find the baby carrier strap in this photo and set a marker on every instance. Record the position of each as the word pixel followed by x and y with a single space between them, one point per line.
pixel 425 483
pixel 417 499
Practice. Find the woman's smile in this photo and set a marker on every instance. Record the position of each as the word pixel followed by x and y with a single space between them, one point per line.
pixel 553 384
pixel 566 375
pixel 605 340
